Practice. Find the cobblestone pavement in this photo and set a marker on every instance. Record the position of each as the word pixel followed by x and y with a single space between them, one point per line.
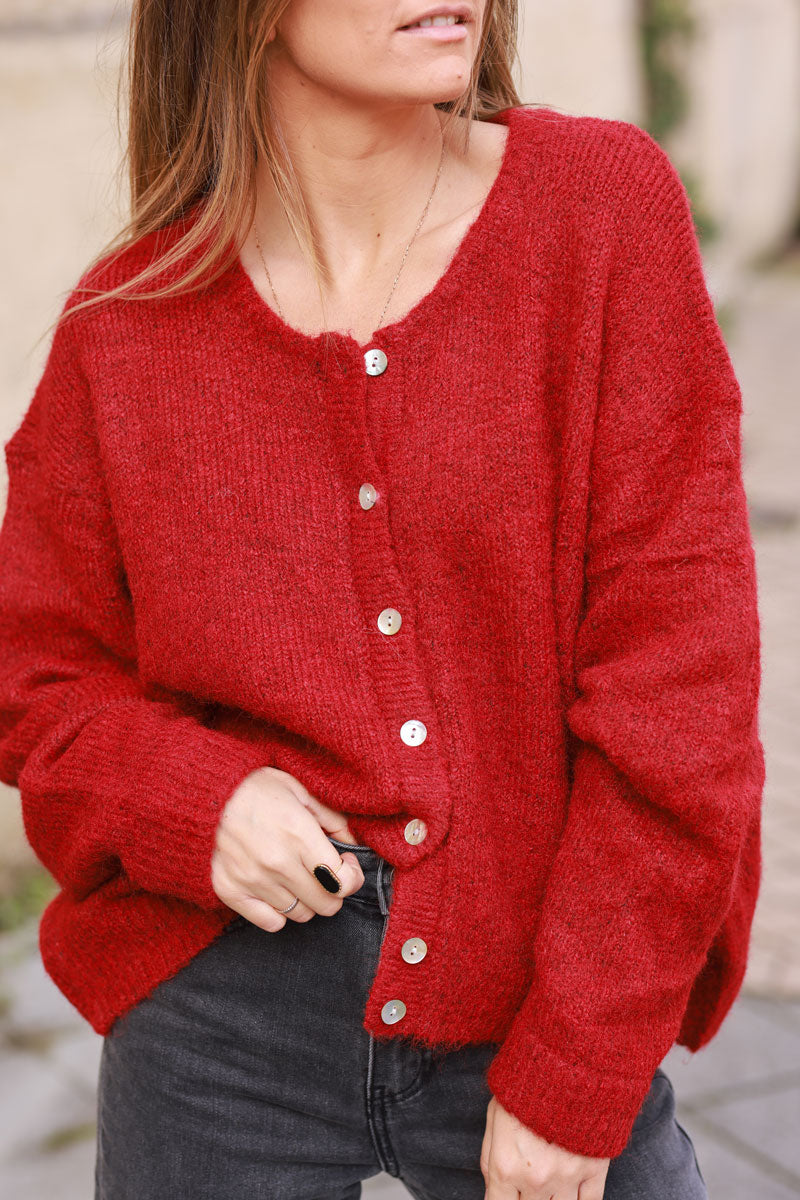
pixel 739 1097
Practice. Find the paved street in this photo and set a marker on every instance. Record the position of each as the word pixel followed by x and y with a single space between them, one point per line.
pixel 740 1097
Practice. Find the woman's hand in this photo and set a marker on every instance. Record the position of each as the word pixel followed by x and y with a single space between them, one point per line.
pixel 270 837
pixel 516 1163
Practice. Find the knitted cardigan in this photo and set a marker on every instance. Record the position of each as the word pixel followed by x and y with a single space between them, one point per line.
pixel 190 589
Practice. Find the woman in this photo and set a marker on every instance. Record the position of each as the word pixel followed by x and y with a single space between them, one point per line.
pixel 376 551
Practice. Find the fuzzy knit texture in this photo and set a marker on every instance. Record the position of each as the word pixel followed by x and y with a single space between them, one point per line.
pixel 190 589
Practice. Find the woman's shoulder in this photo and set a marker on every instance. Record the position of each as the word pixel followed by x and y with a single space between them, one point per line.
pixel 121 265
pixel 596 144
pixel 610 173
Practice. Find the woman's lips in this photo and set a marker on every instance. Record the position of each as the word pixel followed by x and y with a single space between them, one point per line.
pixel 438 33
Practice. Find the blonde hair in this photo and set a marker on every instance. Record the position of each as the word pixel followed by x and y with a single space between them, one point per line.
pixel 199 116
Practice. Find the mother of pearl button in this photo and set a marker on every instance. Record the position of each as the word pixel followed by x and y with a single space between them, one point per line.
pixel 376 361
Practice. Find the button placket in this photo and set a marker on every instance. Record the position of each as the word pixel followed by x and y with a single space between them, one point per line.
pixel 413 732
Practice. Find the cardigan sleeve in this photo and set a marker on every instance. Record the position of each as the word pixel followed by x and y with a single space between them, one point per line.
pixel 111 778
pixel 667 767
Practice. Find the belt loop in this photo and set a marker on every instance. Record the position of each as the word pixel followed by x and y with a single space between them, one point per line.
pixel 384 884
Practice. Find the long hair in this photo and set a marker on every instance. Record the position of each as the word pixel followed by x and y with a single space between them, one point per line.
pixel 199 117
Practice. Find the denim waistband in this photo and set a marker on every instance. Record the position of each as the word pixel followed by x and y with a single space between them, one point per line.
pixel 378 875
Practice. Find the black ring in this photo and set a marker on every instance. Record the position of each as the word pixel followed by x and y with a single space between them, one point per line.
pixel 327 878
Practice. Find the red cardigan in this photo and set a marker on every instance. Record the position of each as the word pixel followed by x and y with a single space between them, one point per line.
pixel 192 572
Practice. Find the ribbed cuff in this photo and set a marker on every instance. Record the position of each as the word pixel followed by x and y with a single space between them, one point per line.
pixel 584 1111
pixel 169 828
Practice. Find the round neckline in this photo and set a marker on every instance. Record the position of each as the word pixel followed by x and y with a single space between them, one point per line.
pixel 445 285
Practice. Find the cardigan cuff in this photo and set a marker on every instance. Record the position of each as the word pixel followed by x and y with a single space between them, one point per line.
pixel 582 1109
pixel 168 832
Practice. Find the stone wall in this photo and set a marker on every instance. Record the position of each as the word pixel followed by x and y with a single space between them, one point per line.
pixel 742 138
pixel 582 56
pixel 743 134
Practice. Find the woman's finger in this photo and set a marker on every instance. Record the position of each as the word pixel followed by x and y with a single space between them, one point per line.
pixel 266 916
pixel 298 877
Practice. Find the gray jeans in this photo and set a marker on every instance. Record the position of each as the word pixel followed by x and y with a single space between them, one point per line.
pixel 249 1075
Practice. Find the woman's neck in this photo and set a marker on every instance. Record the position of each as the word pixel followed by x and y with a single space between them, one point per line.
pixel 365 176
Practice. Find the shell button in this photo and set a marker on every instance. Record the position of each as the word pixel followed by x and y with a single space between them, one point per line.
pixel 414 950
pixel 393 1011
pixel 415 831
pixel 367 495
pixel 413 733
pixel 389 620
pixel 376 361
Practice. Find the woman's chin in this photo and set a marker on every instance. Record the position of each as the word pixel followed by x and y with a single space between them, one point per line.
pixel 438 91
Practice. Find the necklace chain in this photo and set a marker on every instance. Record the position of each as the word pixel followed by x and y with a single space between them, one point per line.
pixel 405 254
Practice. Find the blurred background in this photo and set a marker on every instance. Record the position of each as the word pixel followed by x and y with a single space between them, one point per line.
pixel 717 83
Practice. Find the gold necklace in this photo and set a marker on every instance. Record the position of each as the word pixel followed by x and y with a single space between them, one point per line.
pixel 405 254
